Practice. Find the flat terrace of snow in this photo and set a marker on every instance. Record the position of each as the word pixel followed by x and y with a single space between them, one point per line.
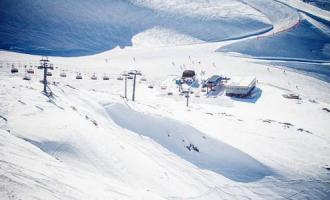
pixel 88 143
pixel 241 81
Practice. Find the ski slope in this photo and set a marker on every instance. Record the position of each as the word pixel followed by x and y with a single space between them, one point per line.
pixel 307 8
pixel 78 28
pixel 88 142
pixel 88 126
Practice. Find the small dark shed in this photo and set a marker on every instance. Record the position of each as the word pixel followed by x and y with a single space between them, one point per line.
pixel 188 74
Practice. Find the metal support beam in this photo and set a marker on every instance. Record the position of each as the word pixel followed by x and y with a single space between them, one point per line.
pixel 133 97
pixel 125 87
pixel 44 62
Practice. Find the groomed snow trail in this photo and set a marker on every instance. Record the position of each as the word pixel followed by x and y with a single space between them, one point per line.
pixel 87 142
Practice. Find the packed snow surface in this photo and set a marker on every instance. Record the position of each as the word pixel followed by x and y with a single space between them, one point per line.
pixel 219 147
pixel 87 141
pixel 71 28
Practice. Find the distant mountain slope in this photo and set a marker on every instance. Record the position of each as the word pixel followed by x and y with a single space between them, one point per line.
pixel 309 41
pixel 71 28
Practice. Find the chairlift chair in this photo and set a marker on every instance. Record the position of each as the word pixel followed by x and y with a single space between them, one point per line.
pixel 79 76
pixel 105 77
pixel 49 73
pixel 94 77
pixel 26 77
pixel 120 78
pixel 63 74
pixel 14 69
pixel 30 71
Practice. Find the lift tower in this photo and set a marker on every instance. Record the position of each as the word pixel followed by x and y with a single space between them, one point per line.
pixel 44 62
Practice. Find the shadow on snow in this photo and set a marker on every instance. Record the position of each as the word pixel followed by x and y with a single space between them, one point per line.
pixel 190 144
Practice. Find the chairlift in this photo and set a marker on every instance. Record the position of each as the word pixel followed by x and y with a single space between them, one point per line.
pixel 132 72
pixel 143 78
pixel 63 74
pixel 49 73
pixel 79 76
pixel 129 77
pixel 105 77
pixel 27 77
pixel 120 78
pixel 30 71
pixel 150 86
pixel 94 77
pixel 14 69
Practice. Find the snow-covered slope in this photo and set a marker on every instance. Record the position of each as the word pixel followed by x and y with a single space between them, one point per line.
pixel 70 28
pixel 87 142
pixel 305 42
pixel 296 36
pixel 307 8
pixel 246 149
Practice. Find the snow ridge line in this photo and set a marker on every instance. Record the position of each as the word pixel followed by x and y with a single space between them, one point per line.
pixel 297 24
pixel 273 30
pixel 282 59
pixel 314 11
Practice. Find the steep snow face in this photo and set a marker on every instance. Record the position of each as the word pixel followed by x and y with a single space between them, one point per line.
pixel 323 4
pixel 320 12
pixel 70 28
pixel 203 9
pixel 281 16
pixel 305 42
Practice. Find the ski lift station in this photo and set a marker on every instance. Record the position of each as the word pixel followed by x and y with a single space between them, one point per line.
pixel 240 86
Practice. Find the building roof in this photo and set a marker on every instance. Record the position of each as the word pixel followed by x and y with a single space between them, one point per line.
pixel 188 73
pixel 241 81
pixel 214 79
